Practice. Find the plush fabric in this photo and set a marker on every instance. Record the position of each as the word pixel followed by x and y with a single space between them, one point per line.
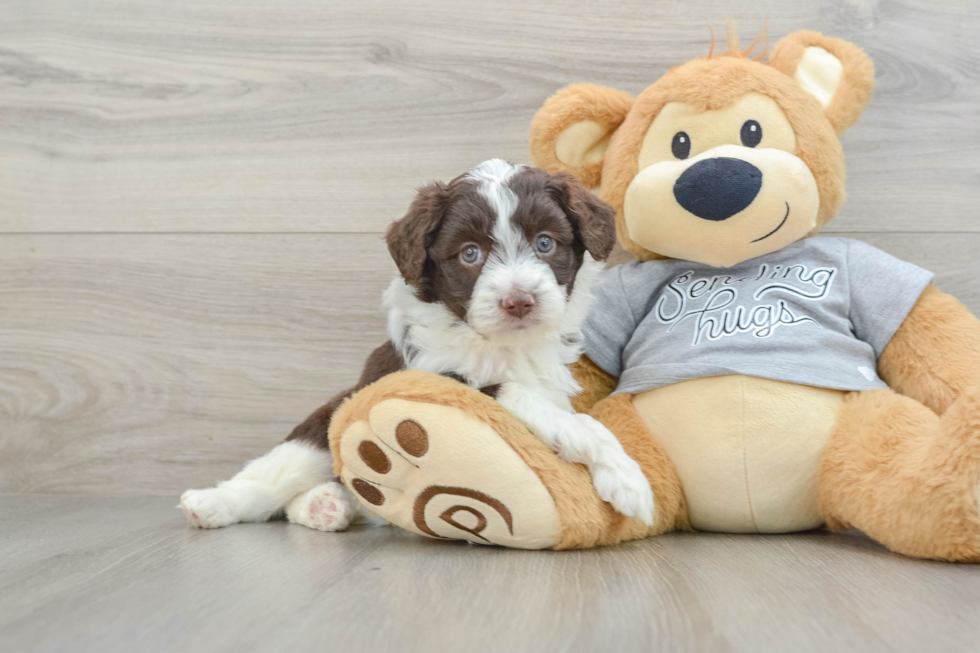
pixel 711 84
pixel 578 103
pixel 728 452
pixel 444 473
pixel 747 450
pixel 935 354
pixel 585 520
pixel 854 93
pixel 905 476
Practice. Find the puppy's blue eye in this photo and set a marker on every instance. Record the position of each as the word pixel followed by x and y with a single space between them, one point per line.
pixel 544 244
pixel 470 255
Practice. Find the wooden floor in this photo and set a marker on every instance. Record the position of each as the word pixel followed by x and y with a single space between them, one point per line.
pixel 192 195
pixel 96 574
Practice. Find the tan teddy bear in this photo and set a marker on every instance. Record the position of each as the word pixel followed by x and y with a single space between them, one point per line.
pixel 764 379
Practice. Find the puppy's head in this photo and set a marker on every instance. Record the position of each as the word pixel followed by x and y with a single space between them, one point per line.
pixel 502 246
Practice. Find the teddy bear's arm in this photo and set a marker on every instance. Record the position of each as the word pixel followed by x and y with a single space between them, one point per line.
pixel 935 354
pixel 597 384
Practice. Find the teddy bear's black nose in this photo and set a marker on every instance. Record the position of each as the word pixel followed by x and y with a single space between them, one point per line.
pixel 716 189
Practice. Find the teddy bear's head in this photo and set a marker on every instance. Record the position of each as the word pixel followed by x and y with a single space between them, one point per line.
pixel 724 158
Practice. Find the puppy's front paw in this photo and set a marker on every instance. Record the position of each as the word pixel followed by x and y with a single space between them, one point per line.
pixel 625 487
pixel 206 508
pixel 616 477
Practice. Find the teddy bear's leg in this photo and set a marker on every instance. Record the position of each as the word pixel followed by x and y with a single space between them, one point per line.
pixel 906 476
pixel 443 460
pixel 619 415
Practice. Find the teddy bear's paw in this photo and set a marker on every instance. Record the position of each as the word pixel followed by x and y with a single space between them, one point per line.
pixel 327 507
pixel 437 471
pixel 206 508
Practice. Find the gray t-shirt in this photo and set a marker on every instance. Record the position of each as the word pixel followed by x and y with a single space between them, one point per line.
pixel 818 312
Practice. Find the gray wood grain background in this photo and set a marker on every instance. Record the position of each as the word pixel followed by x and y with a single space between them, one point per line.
pixel 192 193
pixel 126 574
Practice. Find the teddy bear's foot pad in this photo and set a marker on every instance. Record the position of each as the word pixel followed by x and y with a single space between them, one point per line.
pixel 439 472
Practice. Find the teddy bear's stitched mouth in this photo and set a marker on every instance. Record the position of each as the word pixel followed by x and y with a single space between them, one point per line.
pixel 780 226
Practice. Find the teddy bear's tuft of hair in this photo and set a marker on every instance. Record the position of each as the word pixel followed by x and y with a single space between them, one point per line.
pixel 731 40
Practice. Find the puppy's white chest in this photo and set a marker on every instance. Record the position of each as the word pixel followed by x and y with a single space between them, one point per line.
pixel 557 396
pixel 541 370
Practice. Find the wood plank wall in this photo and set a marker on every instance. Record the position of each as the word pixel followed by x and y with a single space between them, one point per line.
pixel 192 194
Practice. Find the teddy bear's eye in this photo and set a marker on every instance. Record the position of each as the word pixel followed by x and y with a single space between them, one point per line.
pixel 681 146
pixel 751 133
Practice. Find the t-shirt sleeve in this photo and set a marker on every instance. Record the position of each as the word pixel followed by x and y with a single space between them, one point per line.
pixel 883 289
pixel 610 323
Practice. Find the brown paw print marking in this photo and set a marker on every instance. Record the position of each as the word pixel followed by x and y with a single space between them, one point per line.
pixel 418 512
pixel 412 438
pixel 374 457
pixel 368 492
pixel 481 521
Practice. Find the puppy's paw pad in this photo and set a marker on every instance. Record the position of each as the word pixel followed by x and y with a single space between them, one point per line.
pixel 329 513
pixel 327 507
pixel 206 509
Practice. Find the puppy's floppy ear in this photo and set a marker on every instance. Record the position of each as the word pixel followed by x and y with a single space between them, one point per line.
pixel 593 219
pixel 837 73
pixel 409 237
pixel 571 132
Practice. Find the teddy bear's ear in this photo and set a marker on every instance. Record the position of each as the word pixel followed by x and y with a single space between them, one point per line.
pixel 571 132
pixel 838 74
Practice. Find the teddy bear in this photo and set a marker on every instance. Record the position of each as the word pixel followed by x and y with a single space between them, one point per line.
pixel 766 379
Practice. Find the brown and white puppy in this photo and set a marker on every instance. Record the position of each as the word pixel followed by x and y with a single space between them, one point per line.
pixel 496 270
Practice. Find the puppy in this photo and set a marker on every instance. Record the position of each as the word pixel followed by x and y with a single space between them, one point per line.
pixel 496 270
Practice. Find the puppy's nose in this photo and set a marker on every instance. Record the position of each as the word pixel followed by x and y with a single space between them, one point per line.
pixel 716 189
pixel 517 304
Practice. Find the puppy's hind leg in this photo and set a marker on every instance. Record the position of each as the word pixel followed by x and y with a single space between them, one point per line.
pixel 300 468
pixel 262 489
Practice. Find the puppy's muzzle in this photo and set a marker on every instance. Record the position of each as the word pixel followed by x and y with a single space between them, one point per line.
pixel 517 304
pixel 718 188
